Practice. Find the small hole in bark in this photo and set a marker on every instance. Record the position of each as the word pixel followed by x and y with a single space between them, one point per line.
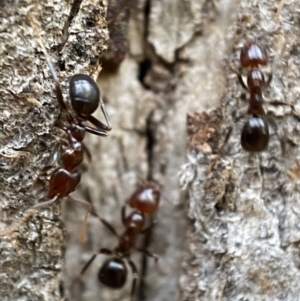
pixel 143 70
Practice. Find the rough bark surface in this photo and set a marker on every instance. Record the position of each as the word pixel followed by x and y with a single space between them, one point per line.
pixel 31 260
pixel 245 241
pixel 172 67
pixel 171 57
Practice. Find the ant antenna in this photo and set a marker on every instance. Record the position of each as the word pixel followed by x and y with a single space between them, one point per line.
pixel 27 215
pixel 279 9
pixel 50 65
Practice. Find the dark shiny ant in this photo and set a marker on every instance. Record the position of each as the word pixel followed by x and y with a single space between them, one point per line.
pixel 255 133
pixel 113 273
pixel 85 98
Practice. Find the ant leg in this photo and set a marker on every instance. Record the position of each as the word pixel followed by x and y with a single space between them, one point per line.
pixel 134 276
pixel 17 224
pixel 107 225
pixel 95 131
pixel 269 79
pixel 283 139
pixel 83 227
pixel 28 213
pixel 86 266
pixel 149 254
pixel 106 116
pixel 240 78
pixel 101 251
pixel 220 151
pixel 52 162
pixel 153 223
pixel 88 152
pixel 155 257
pixel 123 215
pixel 54 157
pixel 59 95
pixel 47 203
pixel 101 128
pixel 142 181
pixel 278 102
pixel 279 9
pixel 267 83
pixel 36 183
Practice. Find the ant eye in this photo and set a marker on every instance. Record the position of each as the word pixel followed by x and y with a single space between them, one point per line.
pixel 84 94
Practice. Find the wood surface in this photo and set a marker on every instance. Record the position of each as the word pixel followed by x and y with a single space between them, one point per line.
pixel 226 233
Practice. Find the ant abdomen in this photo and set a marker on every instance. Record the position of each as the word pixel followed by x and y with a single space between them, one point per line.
pixel 146 198
pixel 113 273
pixel 255 135
pixel 84 94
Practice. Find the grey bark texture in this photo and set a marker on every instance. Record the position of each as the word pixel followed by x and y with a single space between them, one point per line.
pixel 245 244
pixel 241 241
pixel 31 260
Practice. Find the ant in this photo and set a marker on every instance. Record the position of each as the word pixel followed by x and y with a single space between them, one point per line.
pixel 113 272
pixel 255 133
pixel 84 97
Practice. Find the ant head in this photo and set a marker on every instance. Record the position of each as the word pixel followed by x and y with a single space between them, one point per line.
pixel 84 94
pixel 145 198
pixel 253 54
pixel 113 273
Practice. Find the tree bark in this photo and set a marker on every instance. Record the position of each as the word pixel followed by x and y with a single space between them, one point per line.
pixel 171 68
pixel 169 58
pixel 31 260
pixel 245 241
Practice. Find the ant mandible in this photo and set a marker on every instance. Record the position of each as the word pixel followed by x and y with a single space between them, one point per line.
pixel 85 98
pixel 255 133
pixel 113 272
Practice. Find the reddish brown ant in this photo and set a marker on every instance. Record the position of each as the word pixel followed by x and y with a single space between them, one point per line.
pixel 255 133
pixel 113 273
pixel 84 97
